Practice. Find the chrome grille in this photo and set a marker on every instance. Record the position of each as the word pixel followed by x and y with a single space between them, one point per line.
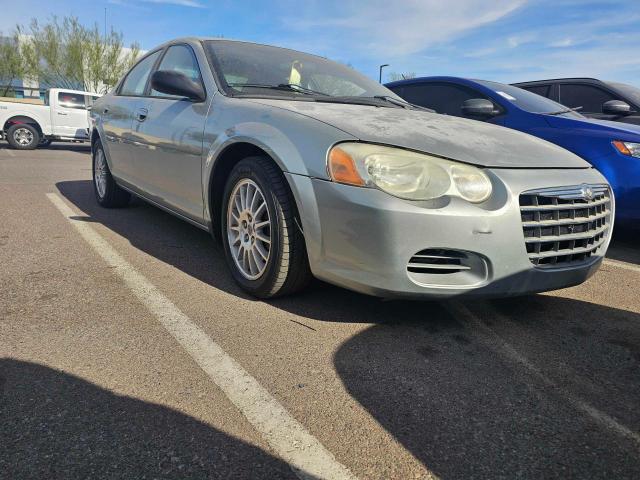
pixel 565 225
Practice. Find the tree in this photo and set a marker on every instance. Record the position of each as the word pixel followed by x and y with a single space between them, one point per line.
pixel 69 55
pixel 394 76
pixel 106 60
pixel 12 64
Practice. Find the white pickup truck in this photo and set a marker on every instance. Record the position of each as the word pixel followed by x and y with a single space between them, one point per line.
pixel 27 124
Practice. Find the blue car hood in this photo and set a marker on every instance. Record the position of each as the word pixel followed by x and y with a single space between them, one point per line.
pixel 617 130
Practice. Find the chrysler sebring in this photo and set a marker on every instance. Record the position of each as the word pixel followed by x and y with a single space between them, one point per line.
pixel 303 167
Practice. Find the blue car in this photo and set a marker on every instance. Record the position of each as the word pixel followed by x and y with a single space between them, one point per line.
pixel 611 147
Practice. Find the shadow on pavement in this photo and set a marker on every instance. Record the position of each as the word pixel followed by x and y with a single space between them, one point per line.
pixel 60 146
pixel 56 425
pixel 465 410
pixel 194 252
pixel 625 246
pixel 437 384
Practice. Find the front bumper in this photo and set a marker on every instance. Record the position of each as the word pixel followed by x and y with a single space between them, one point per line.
pixel 363 239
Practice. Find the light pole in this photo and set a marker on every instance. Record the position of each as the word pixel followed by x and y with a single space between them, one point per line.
pixel 381 67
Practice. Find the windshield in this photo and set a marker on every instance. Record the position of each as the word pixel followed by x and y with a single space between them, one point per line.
pixel 531 102
pixel 631 92
pixel 241 64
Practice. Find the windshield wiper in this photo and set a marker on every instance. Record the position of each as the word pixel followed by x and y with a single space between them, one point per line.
pixel 299 88
pixel 290 87
pixel 566 110
pixel 402 103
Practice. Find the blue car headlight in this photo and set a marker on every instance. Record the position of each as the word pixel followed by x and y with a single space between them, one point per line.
pixel 629 149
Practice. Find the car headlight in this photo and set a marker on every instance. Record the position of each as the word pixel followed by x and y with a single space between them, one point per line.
pixel 630 149
pixel 406 174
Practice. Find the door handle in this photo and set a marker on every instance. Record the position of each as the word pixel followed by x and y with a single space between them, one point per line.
pixel 62 113
pixel 141 114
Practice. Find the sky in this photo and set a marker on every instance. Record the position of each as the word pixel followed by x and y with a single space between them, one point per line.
pixel 501 40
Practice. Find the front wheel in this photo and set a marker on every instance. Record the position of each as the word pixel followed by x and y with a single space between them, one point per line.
pixel 264 246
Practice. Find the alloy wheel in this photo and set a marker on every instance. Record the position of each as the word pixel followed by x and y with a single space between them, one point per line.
pixel 23 136
pixel 100 173
pixel 249 229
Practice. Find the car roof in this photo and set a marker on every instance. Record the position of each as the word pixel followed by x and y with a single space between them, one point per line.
pixel 220 39
pixel 409 81
pixel 570 79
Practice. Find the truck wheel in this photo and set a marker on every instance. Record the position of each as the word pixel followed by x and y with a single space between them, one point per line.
pixel 23 136
pixel 263 244
pixel 108 193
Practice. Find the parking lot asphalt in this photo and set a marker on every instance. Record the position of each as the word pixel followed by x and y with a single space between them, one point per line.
pixel 104 370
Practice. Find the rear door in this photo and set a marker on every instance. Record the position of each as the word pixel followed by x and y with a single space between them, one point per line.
pixel 116 116
pixel 169 132
pixel 70 115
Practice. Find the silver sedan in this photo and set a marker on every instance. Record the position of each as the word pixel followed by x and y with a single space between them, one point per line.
pixel 303 167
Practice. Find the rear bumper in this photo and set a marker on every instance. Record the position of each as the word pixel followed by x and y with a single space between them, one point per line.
pixel 363 239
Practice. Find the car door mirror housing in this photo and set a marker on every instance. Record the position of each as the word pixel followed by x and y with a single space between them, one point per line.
pixel 177 84
pixel 479 107
pixel 616 107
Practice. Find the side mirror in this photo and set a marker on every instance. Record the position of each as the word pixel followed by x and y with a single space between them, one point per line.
pixel 479 107
pixel 178 84
pixel 616 107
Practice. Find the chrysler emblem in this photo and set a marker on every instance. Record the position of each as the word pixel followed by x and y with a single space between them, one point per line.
pixel 587 192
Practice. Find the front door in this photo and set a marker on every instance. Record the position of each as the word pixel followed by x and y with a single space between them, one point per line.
pixel 169 147
pixel 70 115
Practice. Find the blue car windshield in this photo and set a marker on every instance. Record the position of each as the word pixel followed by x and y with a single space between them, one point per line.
pixel 528 101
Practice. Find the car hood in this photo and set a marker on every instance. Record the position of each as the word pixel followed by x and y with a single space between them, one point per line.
pixel 456 138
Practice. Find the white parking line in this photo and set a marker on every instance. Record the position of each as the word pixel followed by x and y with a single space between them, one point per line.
pixel 308 458
pixel 504 348
pixel 625 265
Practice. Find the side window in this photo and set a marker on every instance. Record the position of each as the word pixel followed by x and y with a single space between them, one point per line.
pixel 71 100
pixel 179 58
pixel 137 77
pixel 588 97
pixel 544 90
pixel 443 98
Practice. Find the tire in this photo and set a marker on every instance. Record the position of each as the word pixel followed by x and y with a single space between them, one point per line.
pixel 286 267
pixel 107 192
pixel 23 136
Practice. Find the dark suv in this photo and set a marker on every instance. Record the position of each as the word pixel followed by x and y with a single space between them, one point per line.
pixel 614 101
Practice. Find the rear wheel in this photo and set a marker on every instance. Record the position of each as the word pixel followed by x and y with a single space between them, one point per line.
pixel 263 244
pixel 23 136
pixel 108 193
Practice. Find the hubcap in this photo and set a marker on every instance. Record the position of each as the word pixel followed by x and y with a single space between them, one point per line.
pixel 23 136
pixel 100 173
pixel 249 229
